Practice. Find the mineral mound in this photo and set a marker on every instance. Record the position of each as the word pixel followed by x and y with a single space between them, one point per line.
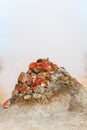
pixel 45 97
pixel 43 83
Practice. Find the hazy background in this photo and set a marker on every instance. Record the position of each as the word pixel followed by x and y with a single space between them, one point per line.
pixel 31 29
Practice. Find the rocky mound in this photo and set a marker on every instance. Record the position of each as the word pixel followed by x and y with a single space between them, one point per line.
pixel 45 97
pixel 42 83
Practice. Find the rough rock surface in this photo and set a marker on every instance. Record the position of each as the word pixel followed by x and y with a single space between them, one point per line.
pixel 61 104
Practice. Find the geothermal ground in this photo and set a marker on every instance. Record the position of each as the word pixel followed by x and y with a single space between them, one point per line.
pixel 55 116
pixel 53 100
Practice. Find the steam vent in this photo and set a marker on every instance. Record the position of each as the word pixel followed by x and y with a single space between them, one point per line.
pixel 45 97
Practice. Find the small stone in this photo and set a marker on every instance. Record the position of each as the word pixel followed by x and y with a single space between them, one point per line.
pixel 54 77
pixel 7 104
pixel 42 89
pixel 39 89
pixel 34 76
pixel 32 65
pixel 20 78
pixel 66 78
pixel 39 60
pixel 41 75
pixel 28 91
pixel 30 81
pixel 61 70
pixel 36 95
pixel 27 97
pixel 15 92
pixel 47 82
pixel 74 80
pixel 29 72
pixel 23 77
pixel 23 88
pixel 43 85
pixel 38 81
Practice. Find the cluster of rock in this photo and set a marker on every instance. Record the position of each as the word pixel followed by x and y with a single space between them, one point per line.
pixel 38 83
pixel 45 83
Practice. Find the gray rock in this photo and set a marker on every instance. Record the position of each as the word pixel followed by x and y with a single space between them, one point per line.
pixel 23 77
pixel 36 95
pixel 63 71
pixel 39 89
pixel 27 97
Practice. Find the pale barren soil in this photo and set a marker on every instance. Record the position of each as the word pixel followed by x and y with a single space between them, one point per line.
pixel 55 116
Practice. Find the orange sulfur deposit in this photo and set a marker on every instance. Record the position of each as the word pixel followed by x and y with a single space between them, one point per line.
pixel 36 82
